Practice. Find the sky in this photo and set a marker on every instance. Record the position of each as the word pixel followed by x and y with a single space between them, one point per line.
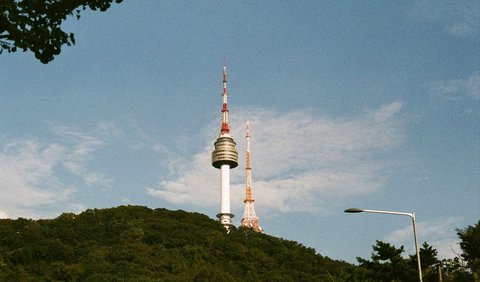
pixel 367 104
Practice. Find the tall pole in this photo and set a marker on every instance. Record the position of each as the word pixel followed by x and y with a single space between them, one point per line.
pixel 440 276
pixel 412 216
pixel 416 247
pixel 225 157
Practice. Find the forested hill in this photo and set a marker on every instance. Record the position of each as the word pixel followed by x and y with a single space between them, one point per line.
pixel 133 243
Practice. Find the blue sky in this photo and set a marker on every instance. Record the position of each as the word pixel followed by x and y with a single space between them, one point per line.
pixel 353 104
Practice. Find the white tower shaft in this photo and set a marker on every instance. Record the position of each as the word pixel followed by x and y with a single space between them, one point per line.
pixel 225 190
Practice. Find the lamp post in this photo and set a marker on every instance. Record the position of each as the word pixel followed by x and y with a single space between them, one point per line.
pixel 412 216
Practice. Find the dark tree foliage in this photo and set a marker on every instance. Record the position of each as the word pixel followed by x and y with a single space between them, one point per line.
pixel 429 261
pixel 453 270
pixel 132 243
pixel 35 25
pixel 470 245
pixel 387 264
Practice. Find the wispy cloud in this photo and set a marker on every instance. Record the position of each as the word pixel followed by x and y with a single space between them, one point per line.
pixel 27 176
pixel 458 88
pixel 84 145
pixel 33 172
pixel 191 182
pixel 459 18
pixel 439 233
pixel 139 138
pixel 300 160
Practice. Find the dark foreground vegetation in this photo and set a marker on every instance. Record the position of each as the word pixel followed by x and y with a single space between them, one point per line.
pixel 36 26
pixel 132 243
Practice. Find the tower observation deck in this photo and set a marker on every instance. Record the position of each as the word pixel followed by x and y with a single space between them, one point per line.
pixel 225 157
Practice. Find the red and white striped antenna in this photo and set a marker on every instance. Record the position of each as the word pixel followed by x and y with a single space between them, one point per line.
pixel 225 127
pixel 250 218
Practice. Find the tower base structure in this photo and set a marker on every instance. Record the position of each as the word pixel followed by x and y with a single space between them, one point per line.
pixel 226 220
pixel 250 219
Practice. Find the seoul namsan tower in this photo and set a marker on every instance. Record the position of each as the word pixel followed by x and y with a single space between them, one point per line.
pixel 250 219
pixel 225 157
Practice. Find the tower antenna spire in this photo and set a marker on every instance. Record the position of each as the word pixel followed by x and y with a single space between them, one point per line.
pixel 250 219
pixel 225 157
pixel 225 126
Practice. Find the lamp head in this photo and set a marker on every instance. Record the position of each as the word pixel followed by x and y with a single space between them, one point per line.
pixel 353 210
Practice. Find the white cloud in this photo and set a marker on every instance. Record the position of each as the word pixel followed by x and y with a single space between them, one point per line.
pixel 85 144
pixel 459 18
pixel 439 233
pixel 472 85
pixel 4 215
pixel 387 111
pixel 27 176
pixel 192 184
pixel 139 138
pixel 32 172
pixel 300 160
pixel 446 248
pixel 458 88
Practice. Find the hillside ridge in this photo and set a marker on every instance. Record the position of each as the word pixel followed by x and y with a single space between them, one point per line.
pixel 136 243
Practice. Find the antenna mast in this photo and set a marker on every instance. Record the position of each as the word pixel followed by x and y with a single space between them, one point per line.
pixel 250 219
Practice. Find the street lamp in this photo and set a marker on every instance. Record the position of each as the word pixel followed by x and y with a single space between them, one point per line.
pixel 412 216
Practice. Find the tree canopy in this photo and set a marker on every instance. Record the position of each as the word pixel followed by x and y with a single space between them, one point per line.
pixel 35 25
pixel 470 245
pixel 132 243
pixel 388 264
